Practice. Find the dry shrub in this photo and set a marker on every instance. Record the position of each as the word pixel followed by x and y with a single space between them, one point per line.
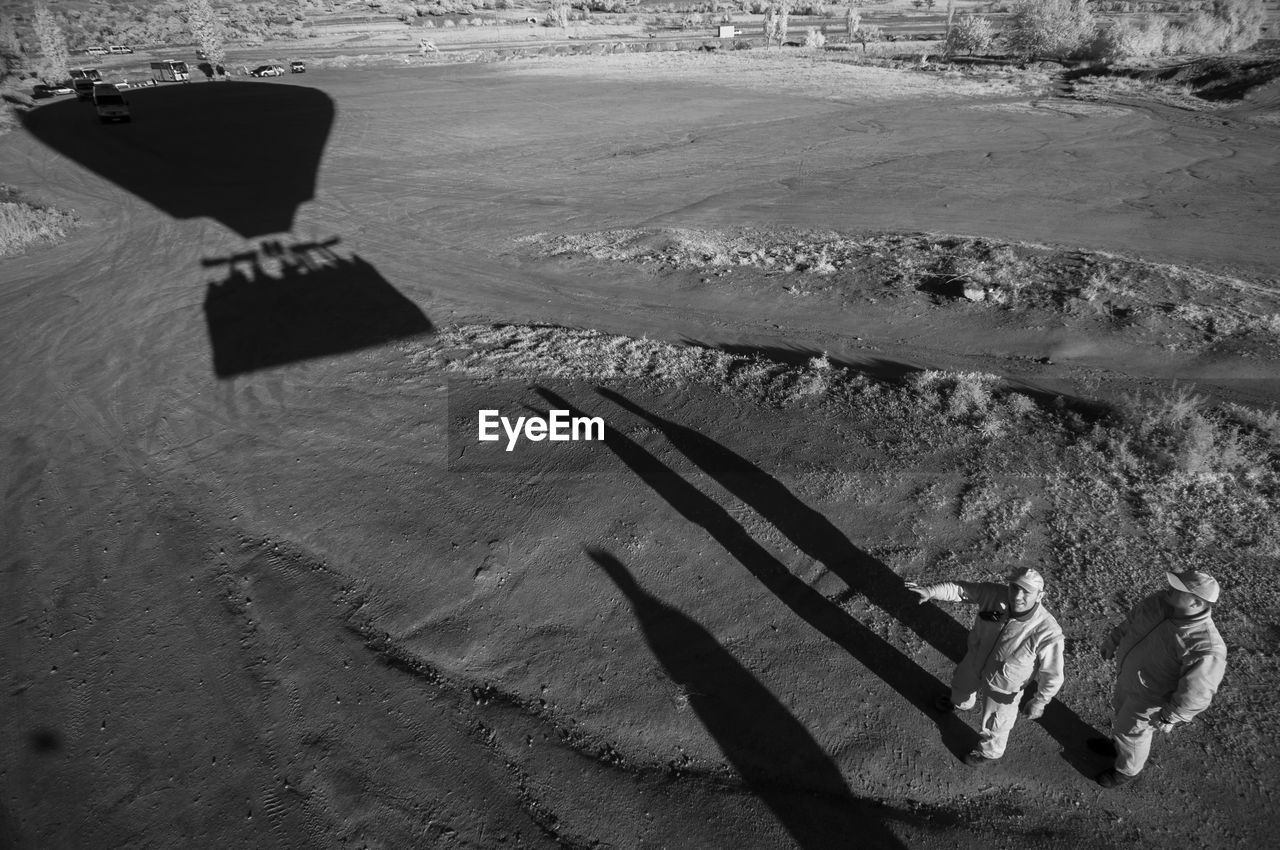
pixel 1177 433
pixel 23 224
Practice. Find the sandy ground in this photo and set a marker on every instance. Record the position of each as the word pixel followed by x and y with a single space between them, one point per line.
pixel 253 598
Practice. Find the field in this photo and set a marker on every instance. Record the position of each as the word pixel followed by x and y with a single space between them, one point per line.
pixel 846 326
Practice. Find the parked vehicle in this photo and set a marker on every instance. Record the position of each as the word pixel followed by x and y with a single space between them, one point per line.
pixel 267 71
pixel 86 74
pixel 97 51
pixel 201 55
pixel 170 70
pixel 297 67
pixel 110 103
pixel 83 87
pixel 120 48
pixel 42 90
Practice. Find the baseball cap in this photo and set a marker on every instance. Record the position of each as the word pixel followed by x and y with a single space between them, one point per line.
pixel 1196 583
pixel 1027 579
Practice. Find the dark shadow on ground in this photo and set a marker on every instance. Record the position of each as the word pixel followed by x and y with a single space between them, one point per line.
pixel 243 153
pixel 318 304
pixel 778 759
pixel 876 368
pixel 890 372
pixel 913 683
pixel 812 533
pixel 46 740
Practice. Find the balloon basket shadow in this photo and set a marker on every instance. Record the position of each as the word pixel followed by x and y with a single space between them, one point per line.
pixel 284 304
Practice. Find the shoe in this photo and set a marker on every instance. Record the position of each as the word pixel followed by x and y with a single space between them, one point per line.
pixel 977 759
pixel 944 704
pixel 1113 778
pixel 1102 746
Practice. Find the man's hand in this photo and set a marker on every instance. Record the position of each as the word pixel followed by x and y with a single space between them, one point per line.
pixel 1162 723
pixel 1033 711
pixel 922 592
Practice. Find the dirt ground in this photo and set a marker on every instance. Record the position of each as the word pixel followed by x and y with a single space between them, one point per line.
pixel 257 593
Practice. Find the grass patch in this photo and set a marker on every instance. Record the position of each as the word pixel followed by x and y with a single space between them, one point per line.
pixel 1181 95
pixel 23 224
pixel 1180 307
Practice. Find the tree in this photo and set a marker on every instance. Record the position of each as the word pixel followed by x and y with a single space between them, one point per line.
pixel 1227 26
pixel 207 32
pixel 558 14
pixel 972 34
pixel 56 64
pixel 1055 28
pixel 1243 22
pixel 851 21
pixel 869 32
pixel 10 45
pixel 784 16
pixel 770 26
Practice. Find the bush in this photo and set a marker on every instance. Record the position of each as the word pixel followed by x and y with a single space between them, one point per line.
pixel 23 224
pixel 1052 28
pixel 814 39
pixel 972 34
pixel 1227 26
pixel 1131 38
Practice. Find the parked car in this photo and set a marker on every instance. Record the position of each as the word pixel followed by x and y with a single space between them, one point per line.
pixel 200 54
pixel 110 103
pixel 41 90
pixel 83 87
pixel 297 67
pixel 267 71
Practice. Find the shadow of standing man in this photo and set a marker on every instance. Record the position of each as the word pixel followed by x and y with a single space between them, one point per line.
pixel 778 759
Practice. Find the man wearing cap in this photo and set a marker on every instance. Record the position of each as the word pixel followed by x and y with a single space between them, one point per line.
pixel 1169 663
pixel 1013 639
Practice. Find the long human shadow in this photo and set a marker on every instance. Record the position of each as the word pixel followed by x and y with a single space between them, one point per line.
pixel 815 535
pixel 245 154
pixel 777 758
pixel 899 671
pixel 318 304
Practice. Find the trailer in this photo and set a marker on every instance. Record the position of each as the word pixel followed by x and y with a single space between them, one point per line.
pixel 170 70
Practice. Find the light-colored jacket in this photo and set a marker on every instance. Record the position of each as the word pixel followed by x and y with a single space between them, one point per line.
pixel 1177 661
pixel 1006 652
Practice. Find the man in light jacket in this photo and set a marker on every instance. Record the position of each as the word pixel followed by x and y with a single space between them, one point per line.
pixel 1013 639
pixel 1169 662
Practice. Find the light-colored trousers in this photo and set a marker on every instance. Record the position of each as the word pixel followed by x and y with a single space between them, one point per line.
pixel 999 711
pixel 1131 729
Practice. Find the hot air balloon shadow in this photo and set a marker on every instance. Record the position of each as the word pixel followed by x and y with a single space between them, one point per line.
pixel 281 304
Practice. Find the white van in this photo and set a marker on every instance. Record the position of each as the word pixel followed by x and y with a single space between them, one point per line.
pixel 110 103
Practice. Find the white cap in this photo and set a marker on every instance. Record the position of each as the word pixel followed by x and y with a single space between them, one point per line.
pixel 1196 583
pixel 1027 579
